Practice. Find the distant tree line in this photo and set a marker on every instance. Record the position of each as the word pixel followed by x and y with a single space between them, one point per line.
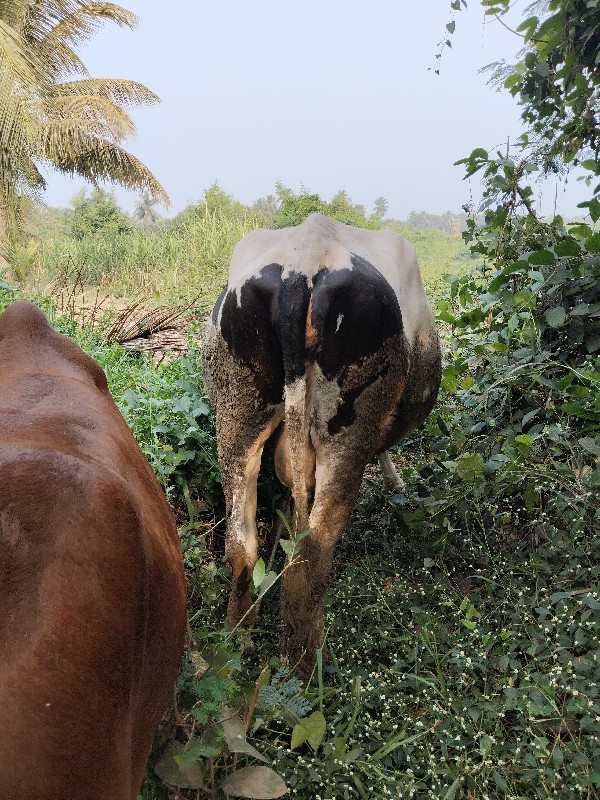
pixel 95 212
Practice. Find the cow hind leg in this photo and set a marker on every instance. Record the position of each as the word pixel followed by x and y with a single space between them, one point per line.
pixel 239 472
pixel 306 579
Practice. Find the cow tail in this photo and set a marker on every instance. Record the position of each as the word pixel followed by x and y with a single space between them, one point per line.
pixel 293 306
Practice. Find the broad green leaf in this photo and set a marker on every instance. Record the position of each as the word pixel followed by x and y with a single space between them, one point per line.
pixel 555 317
pixel 339 748
pixel 258 573
pixel 528 25
pixel 299 735
pixel 543 257
pixel 267 582
pixel 311 730
pixel 512 80
pixel 524 439
pixel 258 783
pixel 469 466
pixel 580 310
pixel 502 784
pixel 287 545
pixel 592 244
pixel 523 298
pixel 452 789
pixel 594 209
pixel 568 247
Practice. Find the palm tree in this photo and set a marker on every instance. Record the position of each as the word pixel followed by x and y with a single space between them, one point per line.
pixel 381 207
pixel 145 213
pixel 53 113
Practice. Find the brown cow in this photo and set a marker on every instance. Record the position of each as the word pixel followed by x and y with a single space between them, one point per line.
pixel 92 589
pixel 324 342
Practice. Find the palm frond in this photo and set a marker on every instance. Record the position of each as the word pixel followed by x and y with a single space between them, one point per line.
pixel 75 151
pixel 117 90
pixel 13 12
pixel 97 115
pixel 41 16
pixel 17 63
pixel 57 47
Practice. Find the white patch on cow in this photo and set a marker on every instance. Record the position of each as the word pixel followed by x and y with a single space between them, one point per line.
pixel 295 393
pixel 242 524
pixel 324 402
pixel 339 322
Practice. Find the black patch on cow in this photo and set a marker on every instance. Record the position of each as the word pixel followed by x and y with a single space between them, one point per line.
pixel 346 412
pixel 421 390
pixel 354 312
pixel 294 297
pixel 251 330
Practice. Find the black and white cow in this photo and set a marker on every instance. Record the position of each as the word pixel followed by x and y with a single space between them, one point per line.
pixel 323 341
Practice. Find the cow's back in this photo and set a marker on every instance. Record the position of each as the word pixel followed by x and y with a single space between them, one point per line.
pixel 91 578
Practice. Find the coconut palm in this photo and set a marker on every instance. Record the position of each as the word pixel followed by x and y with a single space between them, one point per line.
pixel 53 113
pixel 144 212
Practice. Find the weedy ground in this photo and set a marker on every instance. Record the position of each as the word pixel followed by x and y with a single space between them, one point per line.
pixel 463 618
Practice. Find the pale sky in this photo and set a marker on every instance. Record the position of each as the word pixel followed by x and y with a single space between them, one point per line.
pixel 325 94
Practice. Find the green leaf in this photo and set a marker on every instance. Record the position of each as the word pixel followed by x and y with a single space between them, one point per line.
pixel 525 438
pixel 523 298
pixel 311 730
pixel 594 209
pixel 555 317
pixel 592 245
pixel 287 545
pixel 469 467
pixel 267 582
pixel 452 789
pixel 528 25
pixel 590 445
pixel 451 26
pixel 542 257
pixel 502 784
pixel 258 573
pixel 543 69
pixel 258 783
pixel 568 247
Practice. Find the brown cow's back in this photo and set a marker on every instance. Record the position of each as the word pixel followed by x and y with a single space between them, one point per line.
pixel 91 578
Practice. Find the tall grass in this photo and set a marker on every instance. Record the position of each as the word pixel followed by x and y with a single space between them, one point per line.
pixel 182 259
